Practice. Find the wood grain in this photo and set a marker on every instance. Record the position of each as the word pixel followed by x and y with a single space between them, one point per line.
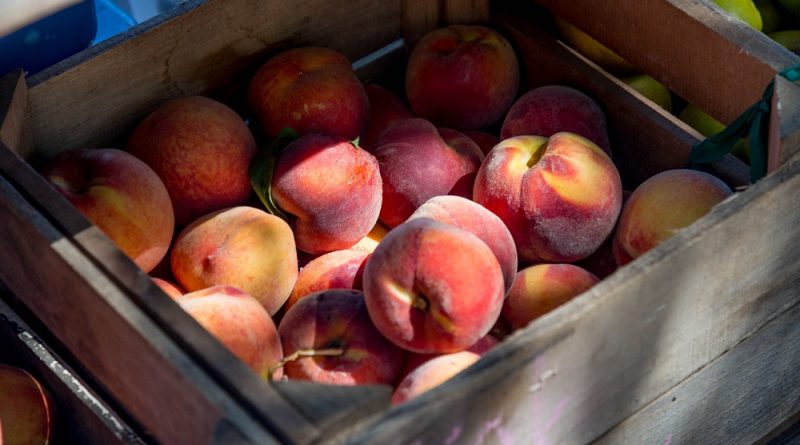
pixel 784 141
pixel 736 399
pixel 82 417
pixel 15 128
pixel 94 98
pixel 700 52
pixel 575 373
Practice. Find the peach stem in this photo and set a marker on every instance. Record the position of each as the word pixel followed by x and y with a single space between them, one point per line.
pixel 300 353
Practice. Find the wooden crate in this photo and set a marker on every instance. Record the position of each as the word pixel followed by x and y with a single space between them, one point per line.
pixel 82 417
pixel 694 342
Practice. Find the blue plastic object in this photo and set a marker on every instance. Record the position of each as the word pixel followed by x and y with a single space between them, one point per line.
pixel 111 20
pixel 49 40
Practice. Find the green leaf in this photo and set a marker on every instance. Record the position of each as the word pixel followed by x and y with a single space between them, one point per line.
pixel 262 170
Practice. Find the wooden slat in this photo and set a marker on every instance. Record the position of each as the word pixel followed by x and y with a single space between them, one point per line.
pixel 736 399
pixel 127 354
pixel 784 123
pixel 696 49
pixel 81 416
pixel 578 371
pixel 645 138
pixel 96 96
pixel 15 128
pixel 422 16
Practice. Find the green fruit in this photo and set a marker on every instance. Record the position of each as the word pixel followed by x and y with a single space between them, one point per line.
pixel 651 89
pixel 792 6
pixel 594 50
pixel 770 16
pixel 744 10
pixel 789 39
pixel 708 126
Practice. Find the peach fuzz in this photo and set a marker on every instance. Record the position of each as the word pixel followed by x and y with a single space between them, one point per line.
pixel 201 149
pixel 418 161
pixel 433 288
pixel 122 196
pixel 171 289
pixel 341 269
pixel 551 109
pixel 27 411
pixel 332 190
pixel 239 322
pixel 432 374
pixel 385 108
pixel 311 90
pixel 541 288
pixel 463 77
pixel 476 219
pixel 328 337
pixel 241 246
pixel 661 206
pixel 414 361
pixel 559 197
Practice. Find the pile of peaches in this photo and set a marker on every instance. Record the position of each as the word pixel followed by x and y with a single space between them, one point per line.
pixel 377 236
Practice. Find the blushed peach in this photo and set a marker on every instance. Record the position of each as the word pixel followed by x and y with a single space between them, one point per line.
pixel 432 374
pixel 385 108
pixel 341 269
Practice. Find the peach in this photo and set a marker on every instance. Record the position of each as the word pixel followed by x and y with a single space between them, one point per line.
pixel 541 288
pixel 240 246
pixel 463 77
pixel 414 361
pixel 311 90
pixel 433 288
pixel 559 197
pixel 328 337
pixel 373 238
pixel 239 322
pixel 122 196
pixel 171 289
pixel 476 219
pixel 661 206
pixel 332 189
pixel 27 411
pixel 418 161
pixel 202 150
pixel 603 261
pixel 485 141
pixel 432 374
pixel 341 269
pixel 385 108
pixel 551 109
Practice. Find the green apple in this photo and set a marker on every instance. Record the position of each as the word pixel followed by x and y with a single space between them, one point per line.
pixel 744 10
pixel 789 39
pixel 594 50
pixel 651 89
pixel 708 126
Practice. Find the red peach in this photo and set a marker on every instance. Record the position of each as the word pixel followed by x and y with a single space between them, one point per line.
pixel 241 246
pixel 311 90
pixel 476 219
pixel 541 288
pixel 661 206
pixel 559 197
pixel 385 109
pixel 418 162
pixel 27 411
pixel 171 289
pixel 334 341
pixel 341 269
pixel 239 322
pixel 433 288
pixel 462 76
pixel 485 141
pixel 122 196
pixel 373 238
pixel 432 374
pixel 331 188
pixel 201 149
pixel 551 109
pixel 414 361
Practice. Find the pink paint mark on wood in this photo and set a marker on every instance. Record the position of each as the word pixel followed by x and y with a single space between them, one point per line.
pixel 669 439
pixel 455 434
pixel 556 414
pixel 495 425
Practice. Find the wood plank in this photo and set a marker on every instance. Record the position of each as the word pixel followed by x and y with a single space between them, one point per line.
pixel 81 416
pixel 645 139
pixel 130 358
pixel 202 45
pixel 576 372
pixel 15 128
pixel 738 398
pixel 696 49
pixel 784 140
